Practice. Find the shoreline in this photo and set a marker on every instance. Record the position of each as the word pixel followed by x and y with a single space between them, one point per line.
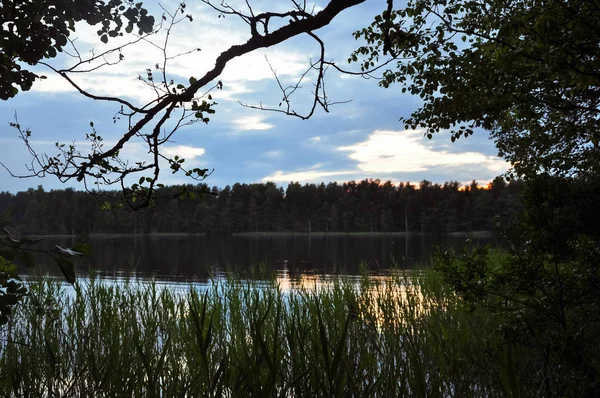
pixel 457 234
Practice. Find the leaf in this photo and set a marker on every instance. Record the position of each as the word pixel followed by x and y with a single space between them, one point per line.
pixel 83 248
pixel 103 39
pixel 8 254
pixel 7 214
pixel 25 258
pixel 67 268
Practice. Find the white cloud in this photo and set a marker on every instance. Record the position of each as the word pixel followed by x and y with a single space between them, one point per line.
pixel 315 140
pixel 274 154
pixel 183 151
pixel 388 151
pixel 398 156
pixel 306 176
pixel 252 122
pixel 254 66
pixel 210 34
pixel 231 91
pixel 118 85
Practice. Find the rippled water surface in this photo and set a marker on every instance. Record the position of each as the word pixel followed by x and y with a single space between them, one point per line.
pixel 198 259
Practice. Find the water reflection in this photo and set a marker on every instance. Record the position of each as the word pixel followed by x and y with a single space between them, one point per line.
pixel 198 259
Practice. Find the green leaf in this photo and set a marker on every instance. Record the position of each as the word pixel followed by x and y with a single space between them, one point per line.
pixel 83 248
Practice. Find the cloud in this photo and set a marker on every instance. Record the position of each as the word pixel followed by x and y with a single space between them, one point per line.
pixel 399 156
pixel 387 151
pixel 315 140
pixel 274 154
pixel 254 66
pixel 183 151
pixel 110 84
pixel 306 176
pixel 192 50
pixel 252 122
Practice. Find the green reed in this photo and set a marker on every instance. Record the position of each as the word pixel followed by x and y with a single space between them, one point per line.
pixel 390 337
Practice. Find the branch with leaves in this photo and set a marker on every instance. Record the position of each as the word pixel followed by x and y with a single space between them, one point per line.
pixel 174 105
pixel 527 72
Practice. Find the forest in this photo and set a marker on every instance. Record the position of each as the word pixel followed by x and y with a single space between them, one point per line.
pixel 365 206
pixel 475 322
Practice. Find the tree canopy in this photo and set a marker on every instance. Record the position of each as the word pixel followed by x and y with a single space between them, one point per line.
pixel 526 71
pixel 354 206
pixel 36 30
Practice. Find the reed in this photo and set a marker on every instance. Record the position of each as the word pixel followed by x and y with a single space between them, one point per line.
pixel 405 335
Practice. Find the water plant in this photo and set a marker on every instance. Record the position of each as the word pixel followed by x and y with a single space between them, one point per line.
pixel 404 335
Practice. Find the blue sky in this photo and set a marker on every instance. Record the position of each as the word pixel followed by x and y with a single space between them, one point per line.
pixel 355 140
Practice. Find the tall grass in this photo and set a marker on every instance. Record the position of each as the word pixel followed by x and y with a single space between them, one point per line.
pixel 400 336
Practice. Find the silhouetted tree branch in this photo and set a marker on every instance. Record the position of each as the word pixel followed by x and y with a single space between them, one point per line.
pixel 180 104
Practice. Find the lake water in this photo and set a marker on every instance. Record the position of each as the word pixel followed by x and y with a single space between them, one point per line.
pixel 197 259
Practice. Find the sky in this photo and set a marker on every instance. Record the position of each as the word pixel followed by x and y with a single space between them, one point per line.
pixel 359 138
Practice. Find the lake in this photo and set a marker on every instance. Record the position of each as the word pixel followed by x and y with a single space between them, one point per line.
pixel 198 258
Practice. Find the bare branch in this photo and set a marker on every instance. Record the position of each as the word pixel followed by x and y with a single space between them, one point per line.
pixel 319 94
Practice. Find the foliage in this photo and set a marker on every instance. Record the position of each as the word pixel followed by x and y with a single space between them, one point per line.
pixel 364 206
pixel 34 30
pixel 547 308
pixel 527 71
pixel 403 336
pixel 12 289
pixel 19 251
pixel 546 289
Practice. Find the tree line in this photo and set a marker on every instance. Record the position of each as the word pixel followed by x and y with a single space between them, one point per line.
pixel 365 206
